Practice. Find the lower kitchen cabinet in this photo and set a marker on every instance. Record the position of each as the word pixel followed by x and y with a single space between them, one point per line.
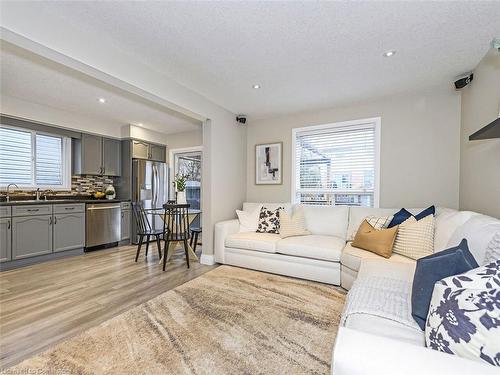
pixel 5 239
pixel 31 235
pixel 69 231
pixel 125 224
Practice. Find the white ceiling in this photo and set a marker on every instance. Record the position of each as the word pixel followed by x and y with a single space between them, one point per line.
pixel 305 55
pixel 34 79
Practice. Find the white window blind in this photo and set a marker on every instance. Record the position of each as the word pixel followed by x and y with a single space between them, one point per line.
pixel 16 163
pixel 49 163
pixel 336 164
pixel 31 160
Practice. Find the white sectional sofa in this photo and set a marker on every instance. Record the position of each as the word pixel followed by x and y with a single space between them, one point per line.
pixel 327 256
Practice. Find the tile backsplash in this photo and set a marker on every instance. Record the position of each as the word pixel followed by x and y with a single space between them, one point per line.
pixel 80 185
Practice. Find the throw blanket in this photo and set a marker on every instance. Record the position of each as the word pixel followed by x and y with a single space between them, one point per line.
pixel 381 296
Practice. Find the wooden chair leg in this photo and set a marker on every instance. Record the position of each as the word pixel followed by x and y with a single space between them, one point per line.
pixel 147 243
pixel 191 239
pixel 195 242
pixel 165 254
pixel 158 245
pixel 186 251
pixel 139 247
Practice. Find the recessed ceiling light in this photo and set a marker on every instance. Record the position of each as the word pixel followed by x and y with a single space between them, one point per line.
pixel 140 124
pixel 102 100
pixel 389 53
pixel 256 86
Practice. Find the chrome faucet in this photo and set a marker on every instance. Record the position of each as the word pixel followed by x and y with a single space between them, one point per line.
pixel 37 194
pixel 8 186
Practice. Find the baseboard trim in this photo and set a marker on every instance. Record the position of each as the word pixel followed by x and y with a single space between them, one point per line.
pixel 207 260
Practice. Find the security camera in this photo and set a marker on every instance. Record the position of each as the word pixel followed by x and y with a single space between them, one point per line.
pixel 464 81
pixel 495 43
pixel 242 119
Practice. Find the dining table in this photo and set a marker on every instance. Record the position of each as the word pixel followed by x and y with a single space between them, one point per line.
pixel 192 215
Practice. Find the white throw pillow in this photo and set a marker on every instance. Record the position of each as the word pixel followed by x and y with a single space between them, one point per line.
pixel 293 225
pixel 377 222
pixel 415 239
pixel 464 315
pixel 493 249
pixel 248 220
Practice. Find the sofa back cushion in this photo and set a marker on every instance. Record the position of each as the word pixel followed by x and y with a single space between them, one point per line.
pixel 479 231
pixel 358 214
pixel 326 220
pixel 447 222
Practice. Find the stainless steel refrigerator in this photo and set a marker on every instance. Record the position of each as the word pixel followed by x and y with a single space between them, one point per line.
pixel 150 187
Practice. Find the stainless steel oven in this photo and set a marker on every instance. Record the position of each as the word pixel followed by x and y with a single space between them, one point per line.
pixel 103 224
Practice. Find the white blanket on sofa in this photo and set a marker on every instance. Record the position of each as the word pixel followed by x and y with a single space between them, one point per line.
pixel 383 297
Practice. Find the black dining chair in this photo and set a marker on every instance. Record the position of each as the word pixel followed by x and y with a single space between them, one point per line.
pixel 195 232
pixel 176 228
pixel 144 229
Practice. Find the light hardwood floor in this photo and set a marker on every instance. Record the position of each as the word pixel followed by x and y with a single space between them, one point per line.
pixel 44 304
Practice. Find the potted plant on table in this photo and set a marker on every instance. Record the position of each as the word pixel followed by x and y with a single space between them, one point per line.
pixel 180 188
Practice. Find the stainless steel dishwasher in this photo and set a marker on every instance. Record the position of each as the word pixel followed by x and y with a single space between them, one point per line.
pixel 103 224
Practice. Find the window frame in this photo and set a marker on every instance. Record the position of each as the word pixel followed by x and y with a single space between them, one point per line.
pixel 66 161
pixel 375 121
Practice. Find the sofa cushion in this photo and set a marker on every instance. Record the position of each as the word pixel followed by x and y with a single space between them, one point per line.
pixel 269 220
pixel 352 256
pixel 447 222
pixel 479 231
pixel 358 214
pixel 402 215
pixel 378 241
pixel 326 220
pixel 415 239
pixel 265 242
pixel 312 246
pixel 249 221
pixel 433 268
pixel 293 225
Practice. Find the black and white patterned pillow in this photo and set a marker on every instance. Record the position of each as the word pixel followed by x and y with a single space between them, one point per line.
pixel 269 220
pixel 464 315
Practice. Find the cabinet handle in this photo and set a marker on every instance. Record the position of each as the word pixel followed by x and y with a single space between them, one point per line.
pixel 69 208
pixel 33 209
pixel 8 224
pixel 50 220
pixel 55 220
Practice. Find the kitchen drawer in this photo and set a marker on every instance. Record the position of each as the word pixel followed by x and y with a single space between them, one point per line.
pixel 69 208
pixel 125 205
pixel 41 209
pixel 5 211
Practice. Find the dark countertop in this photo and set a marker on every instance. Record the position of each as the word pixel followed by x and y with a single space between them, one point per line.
pixel 64 200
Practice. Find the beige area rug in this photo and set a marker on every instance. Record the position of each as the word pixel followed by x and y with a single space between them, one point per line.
pixel 227 321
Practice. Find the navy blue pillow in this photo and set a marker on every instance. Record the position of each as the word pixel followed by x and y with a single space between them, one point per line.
pixel 404 214
pixel 432 268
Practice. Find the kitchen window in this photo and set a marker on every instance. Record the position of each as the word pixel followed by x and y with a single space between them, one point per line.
pixel 337 164
pixel 32 159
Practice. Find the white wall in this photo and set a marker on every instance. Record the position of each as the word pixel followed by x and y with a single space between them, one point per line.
pixel 480 160
pixel 225 143
pixel 420 147
pixel 184 139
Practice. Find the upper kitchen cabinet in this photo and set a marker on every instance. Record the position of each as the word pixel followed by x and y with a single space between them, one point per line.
pixel 96 155
pixel 148 151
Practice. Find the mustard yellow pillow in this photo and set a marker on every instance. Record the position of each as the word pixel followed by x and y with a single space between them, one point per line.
pixel 378 241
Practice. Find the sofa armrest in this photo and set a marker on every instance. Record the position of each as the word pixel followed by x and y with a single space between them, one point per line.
pixel 222 230
pixel 359 353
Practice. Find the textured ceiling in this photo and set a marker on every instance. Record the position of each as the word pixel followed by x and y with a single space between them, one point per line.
pixel 34 79
pixel 304 54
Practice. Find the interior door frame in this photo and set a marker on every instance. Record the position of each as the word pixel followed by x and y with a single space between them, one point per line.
pixel 171 165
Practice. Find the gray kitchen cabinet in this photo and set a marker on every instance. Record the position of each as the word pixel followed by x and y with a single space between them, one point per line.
pixel 157 153
pixel 91 154
pixel 111 157
pixel 5 239
pixel 31 236
pixel 69 231
pixel 140 149
pixel 96 155
pixel 125 224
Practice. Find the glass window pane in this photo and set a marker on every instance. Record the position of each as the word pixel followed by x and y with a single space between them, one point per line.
pixel 49 163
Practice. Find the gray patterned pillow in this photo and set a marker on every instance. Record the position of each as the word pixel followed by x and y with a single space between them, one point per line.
pixel 269 220
pixel 464 315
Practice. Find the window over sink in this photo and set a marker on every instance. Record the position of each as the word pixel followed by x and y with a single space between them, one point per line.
pixel 337 164
pixel 33 159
